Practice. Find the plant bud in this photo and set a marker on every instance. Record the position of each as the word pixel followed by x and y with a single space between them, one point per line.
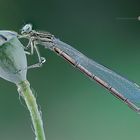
pixel 13 62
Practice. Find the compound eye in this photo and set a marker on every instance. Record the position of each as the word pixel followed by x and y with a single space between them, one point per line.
pixel 26 29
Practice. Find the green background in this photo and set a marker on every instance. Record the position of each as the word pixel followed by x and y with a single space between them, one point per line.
pixel 74 107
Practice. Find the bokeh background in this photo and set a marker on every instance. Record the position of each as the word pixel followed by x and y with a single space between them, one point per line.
pixel 74 107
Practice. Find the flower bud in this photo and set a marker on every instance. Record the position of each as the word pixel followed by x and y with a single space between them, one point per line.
pixel 13 62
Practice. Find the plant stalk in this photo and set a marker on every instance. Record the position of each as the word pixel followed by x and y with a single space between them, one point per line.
pixel 25 91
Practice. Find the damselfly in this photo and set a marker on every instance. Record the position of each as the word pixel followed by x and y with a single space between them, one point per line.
pixel 120 87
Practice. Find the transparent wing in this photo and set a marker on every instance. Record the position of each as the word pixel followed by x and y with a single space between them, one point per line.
pixel 126 89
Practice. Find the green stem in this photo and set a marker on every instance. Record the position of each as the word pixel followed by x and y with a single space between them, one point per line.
pixel 25 91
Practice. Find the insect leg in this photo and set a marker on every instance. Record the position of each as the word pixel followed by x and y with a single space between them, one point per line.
pixel 32 45
pixel 40 59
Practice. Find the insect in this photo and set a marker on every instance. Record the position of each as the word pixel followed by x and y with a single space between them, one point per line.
pixel 119 86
